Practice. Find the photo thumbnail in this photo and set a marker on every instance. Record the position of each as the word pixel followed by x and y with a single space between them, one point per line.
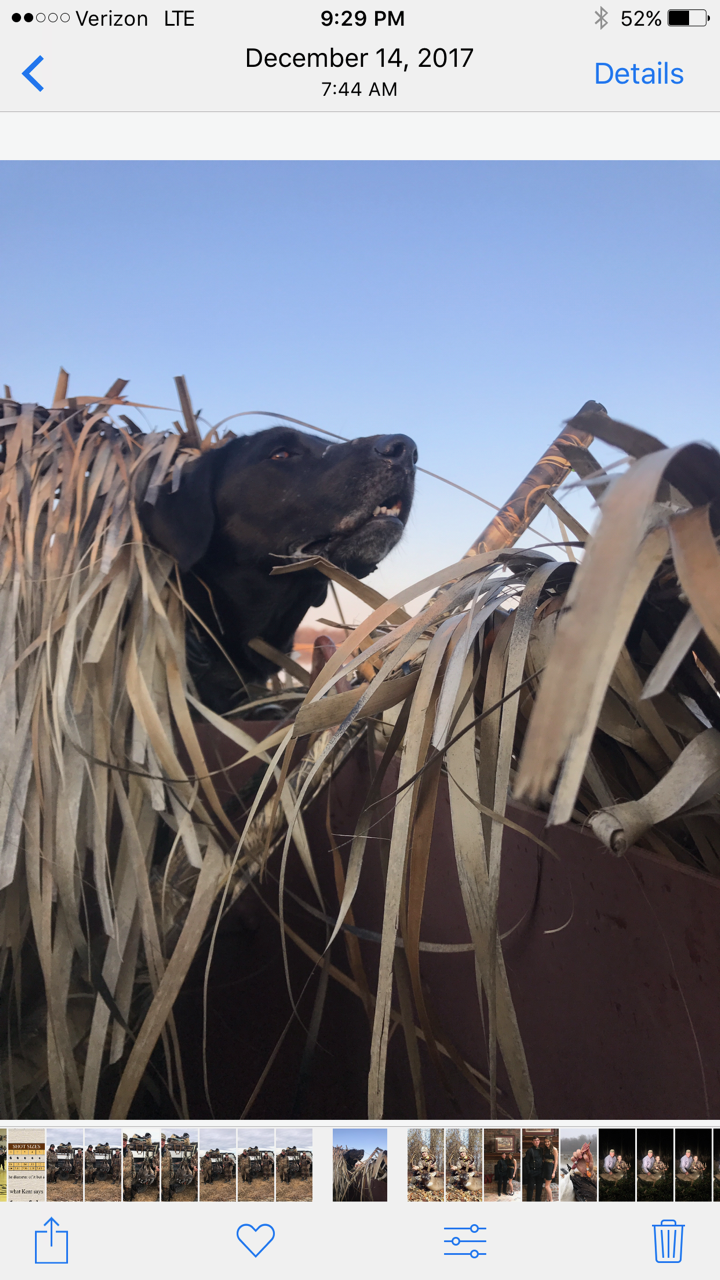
pixel 463 1164
pixel 655 1164
pixel 426 1164
pixel 294 1166
pixel 540 1160
pixel 3 1165
pixel 256 1164
pixel 502 1166
pixel 360 1165
pixel 64 1163
pixel 218 1165
pixel 578 1165
pixel 103 1165
pixel 617 1164
pixel 693 1165
pixel 141 1166
pixel 26 1166
pixel 179 1166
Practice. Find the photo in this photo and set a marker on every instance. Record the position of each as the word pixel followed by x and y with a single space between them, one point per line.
pixel 26 1167
pixel 463 1164
pixel 716 1164
pixel 256 1164
pixel 325 398
pixel 64 1164
pixel 218 1165
pixel 540 1159
pixel 360 1164
pixel 502 1178
pixel 179 1166
pixel 3 1164
pixel 655 1162
pixel 578 1165
pixel 294 1166
pixel 426 1164
pixel 103 1165
pixel 617 1164
pixel 141 1166
pixel 693 1165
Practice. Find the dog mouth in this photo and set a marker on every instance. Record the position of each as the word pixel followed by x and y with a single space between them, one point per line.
pixel 393 511
pixel 388 514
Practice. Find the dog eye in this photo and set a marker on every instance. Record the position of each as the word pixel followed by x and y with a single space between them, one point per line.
pixel 279 455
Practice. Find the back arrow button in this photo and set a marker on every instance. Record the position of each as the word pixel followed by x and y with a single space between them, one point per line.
pixel 29 76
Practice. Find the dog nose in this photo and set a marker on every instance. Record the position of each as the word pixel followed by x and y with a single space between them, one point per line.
pixel 397 449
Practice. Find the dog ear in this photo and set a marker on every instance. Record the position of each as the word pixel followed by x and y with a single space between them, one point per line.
pixel 182 523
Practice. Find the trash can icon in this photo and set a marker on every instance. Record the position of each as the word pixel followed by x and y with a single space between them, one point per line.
pixel 668 1240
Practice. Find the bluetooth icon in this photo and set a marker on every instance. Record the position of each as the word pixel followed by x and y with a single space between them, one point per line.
pixel 601 17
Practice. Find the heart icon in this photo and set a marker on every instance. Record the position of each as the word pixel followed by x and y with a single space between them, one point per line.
pixel 255 1247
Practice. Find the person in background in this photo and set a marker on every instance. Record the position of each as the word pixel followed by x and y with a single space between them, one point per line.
pixel 502 1173
pixel 549 1166
pixel 534 1170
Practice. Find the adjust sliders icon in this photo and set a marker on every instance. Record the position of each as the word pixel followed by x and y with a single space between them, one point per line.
pixel 460 1237
pixel 28 74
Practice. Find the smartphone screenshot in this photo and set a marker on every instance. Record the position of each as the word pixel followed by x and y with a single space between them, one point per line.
pixel 359 638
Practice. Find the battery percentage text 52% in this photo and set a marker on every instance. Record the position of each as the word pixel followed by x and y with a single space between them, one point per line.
pixel 641 18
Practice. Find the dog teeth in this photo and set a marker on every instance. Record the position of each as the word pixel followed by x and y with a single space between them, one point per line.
pixel 388 511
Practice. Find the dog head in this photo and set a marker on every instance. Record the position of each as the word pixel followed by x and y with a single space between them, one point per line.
pixel 285 493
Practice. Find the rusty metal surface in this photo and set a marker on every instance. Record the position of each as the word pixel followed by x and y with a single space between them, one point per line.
pixel 617 956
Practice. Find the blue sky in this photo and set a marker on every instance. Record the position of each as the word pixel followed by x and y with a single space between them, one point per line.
pixel 361 1139
pixel 471 305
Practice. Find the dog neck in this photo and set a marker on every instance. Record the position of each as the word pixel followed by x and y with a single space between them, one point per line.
pixel 238 603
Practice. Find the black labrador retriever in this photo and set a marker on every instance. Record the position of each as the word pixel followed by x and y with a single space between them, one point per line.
pixel 248 506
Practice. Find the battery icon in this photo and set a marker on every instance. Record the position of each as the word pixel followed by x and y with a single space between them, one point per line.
pixel 687 17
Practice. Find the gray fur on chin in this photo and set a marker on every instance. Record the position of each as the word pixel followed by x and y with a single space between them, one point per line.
pixel 367 547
